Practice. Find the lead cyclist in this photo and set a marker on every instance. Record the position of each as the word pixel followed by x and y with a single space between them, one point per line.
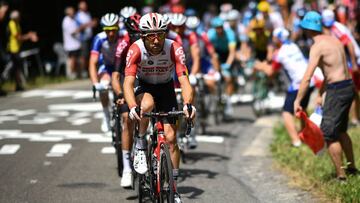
pixel 153 60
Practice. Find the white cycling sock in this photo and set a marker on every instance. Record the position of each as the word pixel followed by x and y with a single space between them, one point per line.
pixel 175 173
pixel 126 161
pixel 106 113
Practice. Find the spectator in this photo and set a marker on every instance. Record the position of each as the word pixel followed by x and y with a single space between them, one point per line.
pixel 83 18
pixel 14 47
pixel 3 11
pixel 328 53
pixel 72 43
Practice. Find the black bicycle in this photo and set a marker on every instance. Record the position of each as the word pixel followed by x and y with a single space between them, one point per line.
pixel 116 131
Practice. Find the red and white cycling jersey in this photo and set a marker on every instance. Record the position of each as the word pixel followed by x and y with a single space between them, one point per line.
pixel 155 69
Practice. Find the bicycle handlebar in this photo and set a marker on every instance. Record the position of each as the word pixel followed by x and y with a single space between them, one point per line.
pixel 170 114
pixel 164 114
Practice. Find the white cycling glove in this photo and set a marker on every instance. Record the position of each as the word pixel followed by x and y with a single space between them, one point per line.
pixel 133 115
pixel 193 111
pixel 192 79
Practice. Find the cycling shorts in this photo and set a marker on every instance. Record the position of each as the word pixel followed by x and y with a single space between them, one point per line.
pixel 163 94
pixel 105 69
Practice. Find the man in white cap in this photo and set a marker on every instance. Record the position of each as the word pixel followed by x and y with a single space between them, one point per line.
pixel 288 56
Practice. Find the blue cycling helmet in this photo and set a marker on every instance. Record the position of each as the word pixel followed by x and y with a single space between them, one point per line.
pixel 312 21
pixel 217 22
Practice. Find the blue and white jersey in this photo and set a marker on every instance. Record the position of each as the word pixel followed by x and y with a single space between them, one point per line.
pixel 102 46
pixel 290 57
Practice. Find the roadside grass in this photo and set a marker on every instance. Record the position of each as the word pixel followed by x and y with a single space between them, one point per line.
pixel 316 173
pixel 9 86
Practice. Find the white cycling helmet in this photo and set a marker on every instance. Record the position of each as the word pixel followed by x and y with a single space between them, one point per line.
pixel 233 15
pixel 127 11
pixel 110 20
pixel 192 22
pixel 178 19
pixel 153 22
pixel 281 33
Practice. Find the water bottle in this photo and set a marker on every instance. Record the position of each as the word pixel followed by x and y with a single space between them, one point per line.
pixel 316 117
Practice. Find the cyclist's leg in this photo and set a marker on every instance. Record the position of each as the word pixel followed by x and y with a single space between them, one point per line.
pixel 170 133
pixel 127 140
pixel 105 78
pixel 146 102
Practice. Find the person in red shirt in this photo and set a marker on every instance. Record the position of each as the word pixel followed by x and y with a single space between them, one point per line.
pixel 132 34
pixel 152 60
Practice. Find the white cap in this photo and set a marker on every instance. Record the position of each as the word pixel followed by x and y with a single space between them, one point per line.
pixel 281 33
pixel 328 17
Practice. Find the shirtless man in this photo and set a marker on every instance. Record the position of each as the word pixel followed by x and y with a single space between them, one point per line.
pixel 328 53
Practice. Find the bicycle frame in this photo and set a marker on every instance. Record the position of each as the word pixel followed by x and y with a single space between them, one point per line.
pixel 160 140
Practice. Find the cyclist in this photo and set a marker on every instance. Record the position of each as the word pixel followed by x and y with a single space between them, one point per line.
pixel 132 27
pixel 210 66
pixel 224 41
pixel 153 59
pixel 289 56
pixel 192 55
pixel 103 50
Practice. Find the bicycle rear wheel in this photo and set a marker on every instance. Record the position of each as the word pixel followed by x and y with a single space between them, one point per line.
pixel 167 189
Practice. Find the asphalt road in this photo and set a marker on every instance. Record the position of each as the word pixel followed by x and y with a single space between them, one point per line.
pixel 52 150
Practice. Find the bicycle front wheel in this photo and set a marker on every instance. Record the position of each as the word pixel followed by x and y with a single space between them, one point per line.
pixel 117 130
pixel 167 187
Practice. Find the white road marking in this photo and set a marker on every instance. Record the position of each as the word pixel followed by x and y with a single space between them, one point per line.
pixel 99 115
pixel 9 132
pixel 7 118
pixel 82 107
pixel 59 150
pixel 38 121
pixel 34 93
pixel 82 95
pixel 9 149
pixel 48 94
pixel 81 121
pixel 211 139
pixel 54 113
pixel 17 112
pixel 33 181
pixel 42 138
pixel 62 133
pixel 58 93
pixel 108 150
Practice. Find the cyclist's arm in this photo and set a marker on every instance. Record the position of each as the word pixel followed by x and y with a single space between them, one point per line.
pixel 232 47
pixel 195 55
pixel 115 82
pixel 132 58
pixel 93 61
pixel 178 56
pixel 120 60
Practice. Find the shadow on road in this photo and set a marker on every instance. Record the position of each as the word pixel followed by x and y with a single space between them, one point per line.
pixel 193 157
pixel 83 185
pixel 189 173
pixel 190 192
